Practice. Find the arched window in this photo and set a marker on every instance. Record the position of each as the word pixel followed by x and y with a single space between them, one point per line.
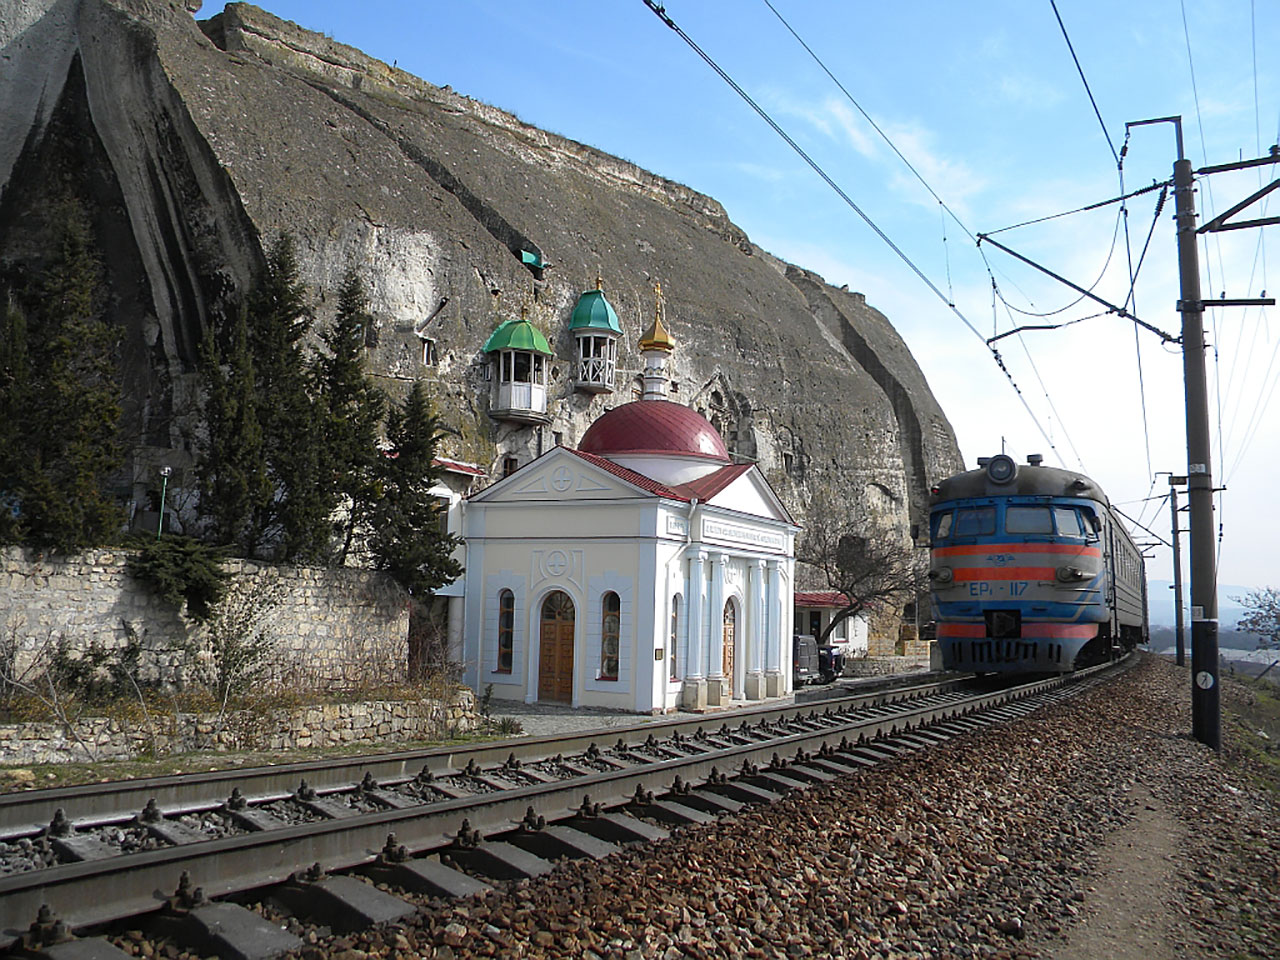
pixel 675 635
pixel 506 630
pixel 610 627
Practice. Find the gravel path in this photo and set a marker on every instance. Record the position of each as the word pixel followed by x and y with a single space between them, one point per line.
pixel 1092 828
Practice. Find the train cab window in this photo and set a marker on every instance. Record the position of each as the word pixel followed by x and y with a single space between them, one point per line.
pixel 1034 520
pixel 1068 522
pixel 942 525
pixel 975 522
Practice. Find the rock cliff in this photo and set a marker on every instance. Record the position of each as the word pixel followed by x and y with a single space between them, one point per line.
pixel 194 144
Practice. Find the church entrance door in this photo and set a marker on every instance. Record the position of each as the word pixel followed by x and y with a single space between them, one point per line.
pixel 730 631
pixel 555 657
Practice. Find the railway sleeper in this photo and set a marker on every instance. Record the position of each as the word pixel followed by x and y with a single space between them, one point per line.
pixel 558 840
pixel 617 827
pixel 497 860
pixel 226 930
pixel 675 813
pixel 344 904
pixel 426 875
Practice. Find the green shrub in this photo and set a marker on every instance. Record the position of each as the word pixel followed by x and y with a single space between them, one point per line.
pixel 182 570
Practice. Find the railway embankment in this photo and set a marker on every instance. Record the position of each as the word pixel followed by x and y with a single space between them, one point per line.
pixel 1096 827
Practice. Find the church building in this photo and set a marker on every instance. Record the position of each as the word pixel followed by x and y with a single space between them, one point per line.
pixel 643 571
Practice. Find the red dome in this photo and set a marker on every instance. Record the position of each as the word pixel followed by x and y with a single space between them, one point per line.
pixel 654 427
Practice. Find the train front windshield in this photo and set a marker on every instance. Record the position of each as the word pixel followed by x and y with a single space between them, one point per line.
pixel 1026 520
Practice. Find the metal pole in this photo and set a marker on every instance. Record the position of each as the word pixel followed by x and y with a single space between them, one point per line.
pixel 164 488
pixel 1179 634
pixel 1205 710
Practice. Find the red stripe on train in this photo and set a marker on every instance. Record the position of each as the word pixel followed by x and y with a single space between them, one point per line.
pixel 1030 631
pixel 967 574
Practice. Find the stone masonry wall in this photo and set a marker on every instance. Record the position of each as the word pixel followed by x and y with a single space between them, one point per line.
pixel 330 627
pixel 372 723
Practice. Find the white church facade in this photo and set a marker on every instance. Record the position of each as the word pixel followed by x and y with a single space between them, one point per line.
pixel 643 571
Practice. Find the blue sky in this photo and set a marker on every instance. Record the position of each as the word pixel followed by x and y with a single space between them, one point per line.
pixel 985 101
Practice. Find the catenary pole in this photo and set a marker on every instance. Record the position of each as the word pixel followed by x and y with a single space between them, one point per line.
pixel 1205 708
pixel 1179 634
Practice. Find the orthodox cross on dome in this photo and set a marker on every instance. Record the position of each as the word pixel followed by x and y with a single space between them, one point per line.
pixel 656 346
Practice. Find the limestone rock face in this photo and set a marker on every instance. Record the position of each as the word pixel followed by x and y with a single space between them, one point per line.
pixel 194 144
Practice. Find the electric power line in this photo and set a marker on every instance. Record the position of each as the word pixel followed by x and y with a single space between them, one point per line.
pixel 1080 69
pixel 660 11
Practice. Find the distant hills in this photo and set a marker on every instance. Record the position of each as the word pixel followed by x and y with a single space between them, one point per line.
pixel 1160 602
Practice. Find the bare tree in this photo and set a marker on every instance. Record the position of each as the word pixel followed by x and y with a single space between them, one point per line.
pixel 872 566
pixel 1263 616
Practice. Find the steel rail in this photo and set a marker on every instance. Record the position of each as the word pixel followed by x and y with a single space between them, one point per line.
pixel 94 892
pixel 28 813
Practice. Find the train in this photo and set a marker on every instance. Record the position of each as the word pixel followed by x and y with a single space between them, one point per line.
pixel 1031 571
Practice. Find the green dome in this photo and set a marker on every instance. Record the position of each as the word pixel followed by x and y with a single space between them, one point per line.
pixel 518 335
pixel 594 312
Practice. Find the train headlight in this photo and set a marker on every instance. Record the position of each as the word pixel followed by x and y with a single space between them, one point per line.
pixel 1070 574
pixel 941 574
pixel 1001 469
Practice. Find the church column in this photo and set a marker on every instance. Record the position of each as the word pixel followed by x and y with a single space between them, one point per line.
pixel 757 630
pixel 693 693
pixel 775 658
pixel 719 687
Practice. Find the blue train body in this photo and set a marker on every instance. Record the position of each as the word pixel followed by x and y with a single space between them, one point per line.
pixel 1031 570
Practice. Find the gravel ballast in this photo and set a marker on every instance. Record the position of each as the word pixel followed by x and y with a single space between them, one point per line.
pixel 1006 843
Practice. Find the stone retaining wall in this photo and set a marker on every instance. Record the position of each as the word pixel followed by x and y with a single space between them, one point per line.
pixel 328 626
pixel 884 666
pixel 372 723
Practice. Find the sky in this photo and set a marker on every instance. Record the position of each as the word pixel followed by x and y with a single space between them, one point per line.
pixel 986 103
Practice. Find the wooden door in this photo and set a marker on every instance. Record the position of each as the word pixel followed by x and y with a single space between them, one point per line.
pixel 555 657
pixel 730 630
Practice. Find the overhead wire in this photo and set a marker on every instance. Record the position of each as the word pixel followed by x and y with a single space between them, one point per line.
pixel 1115 234
pixel 660 11
pixel 1156 185
pixel 1083 79
pixel 1118 156
pixel 866 116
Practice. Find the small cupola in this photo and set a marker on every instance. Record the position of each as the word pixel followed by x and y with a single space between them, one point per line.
pixel 518 359
pixel 656 346
pixel 596 330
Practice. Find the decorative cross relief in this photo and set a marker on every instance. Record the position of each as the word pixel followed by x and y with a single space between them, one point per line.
pixel 563 566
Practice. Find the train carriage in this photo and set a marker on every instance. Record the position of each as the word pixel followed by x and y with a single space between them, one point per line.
pixel 1031 570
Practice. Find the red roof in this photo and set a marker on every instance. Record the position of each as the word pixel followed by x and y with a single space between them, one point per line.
pixel 703 488
pixel 706 487
pixel 637 479
pixel 820 598
pixel 654 427
pixel 457 466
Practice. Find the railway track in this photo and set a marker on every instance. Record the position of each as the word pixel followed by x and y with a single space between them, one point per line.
pixel 444 821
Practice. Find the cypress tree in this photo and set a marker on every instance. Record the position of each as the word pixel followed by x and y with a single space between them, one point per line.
pixel 352 408
pixel 15 381
pixel 231 469
pixel 297 515
pixel 407 540
pixel 67 418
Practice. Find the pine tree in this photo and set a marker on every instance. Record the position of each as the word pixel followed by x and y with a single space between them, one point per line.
pixel 67 424
pixel 352 408
pixel 407 540
pixel 231 468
